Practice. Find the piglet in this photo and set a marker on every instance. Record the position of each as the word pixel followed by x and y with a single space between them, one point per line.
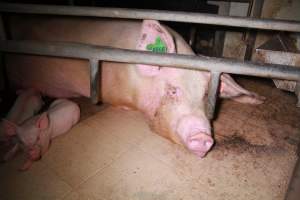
pixel 35 134
pixel 28 103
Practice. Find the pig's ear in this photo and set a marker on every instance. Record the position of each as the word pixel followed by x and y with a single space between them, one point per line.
pixel 10 128
pixel 230 89
pixel 154 37
pixel 43 121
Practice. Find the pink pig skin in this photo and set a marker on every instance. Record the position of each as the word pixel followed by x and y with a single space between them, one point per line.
pixel 28 103
pixel 37 132
pixel 172 99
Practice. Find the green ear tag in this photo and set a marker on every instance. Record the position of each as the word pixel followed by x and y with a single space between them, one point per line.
pixel 158 47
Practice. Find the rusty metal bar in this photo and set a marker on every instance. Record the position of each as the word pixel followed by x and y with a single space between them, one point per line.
pixel 255 11
pixel 94 80
pixel 212 94
pixel 85 51
pixel 234 21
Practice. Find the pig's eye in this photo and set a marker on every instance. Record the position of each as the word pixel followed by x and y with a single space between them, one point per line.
pixel 173 92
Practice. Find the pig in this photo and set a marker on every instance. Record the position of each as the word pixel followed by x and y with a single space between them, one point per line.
pixel 171 99
pixel 28 103
pixel 36 133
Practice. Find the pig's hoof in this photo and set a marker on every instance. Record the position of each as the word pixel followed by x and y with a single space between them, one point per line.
pixel 200 144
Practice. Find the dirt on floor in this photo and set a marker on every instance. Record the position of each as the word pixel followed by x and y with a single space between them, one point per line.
pixel 112 154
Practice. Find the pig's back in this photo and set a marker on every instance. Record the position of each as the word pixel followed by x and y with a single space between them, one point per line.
pixel 59 77
pixel 96 31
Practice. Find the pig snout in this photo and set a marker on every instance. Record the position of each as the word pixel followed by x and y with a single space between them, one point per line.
pixel 195 134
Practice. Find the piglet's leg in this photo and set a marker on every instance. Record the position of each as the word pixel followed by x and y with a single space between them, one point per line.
pixel 26 165
pixel 11 153
pixel 33 154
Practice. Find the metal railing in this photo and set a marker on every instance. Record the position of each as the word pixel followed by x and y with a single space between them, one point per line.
pixel 97 53
pixel 189 17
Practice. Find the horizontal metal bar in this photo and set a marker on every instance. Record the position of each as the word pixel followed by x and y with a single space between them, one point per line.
pixel 234 21
pixel 84 51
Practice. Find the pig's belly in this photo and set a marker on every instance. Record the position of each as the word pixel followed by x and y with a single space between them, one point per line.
pixel 55 77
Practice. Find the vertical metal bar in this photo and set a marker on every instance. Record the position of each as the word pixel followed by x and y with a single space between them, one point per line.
pixel 94 80
pixel 293 191
pixel 297 92
pixel 256 10
pixel 2 70
pixel 212 94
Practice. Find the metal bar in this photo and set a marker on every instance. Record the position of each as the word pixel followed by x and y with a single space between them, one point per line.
pixel 2 65
pixel 255 11
pixel 94 80
pixel 293 191
pixel 297 92
pixel 267 24
pixel 85 51
pixel 212 94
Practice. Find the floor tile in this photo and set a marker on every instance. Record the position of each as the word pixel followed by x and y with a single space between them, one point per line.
pixel 137 175
pixel 39 182
pixel 82 152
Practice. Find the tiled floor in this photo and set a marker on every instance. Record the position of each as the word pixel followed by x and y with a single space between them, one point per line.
pixel 114 155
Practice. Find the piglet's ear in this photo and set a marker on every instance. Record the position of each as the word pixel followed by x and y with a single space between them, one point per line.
pixel 43 121
pixel 154 37
pixel 9 127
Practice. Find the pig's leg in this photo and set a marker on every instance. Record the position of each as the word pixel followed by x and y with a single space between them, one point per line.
pixel 33 154
pixel 230 89
pixel 26 165
pixel 11 153
pixel 44 135
pixel 9 128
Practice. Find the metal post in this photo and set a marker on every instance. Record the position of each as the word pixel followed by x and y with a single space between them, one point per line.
pixel 2 67
pixel 94 80
pixel 255 11
pixel 293 191
pixel 212 94
pixel 297 92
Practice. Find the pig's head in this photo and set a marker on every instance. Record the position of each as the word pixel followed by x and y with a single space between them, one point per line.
pixel 174 98
pixel 180 114
pixel 32 136
pixel 177 101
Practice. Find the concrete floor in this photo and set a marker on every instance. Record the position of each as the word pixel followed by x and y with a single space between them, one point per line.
pixel 112 154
